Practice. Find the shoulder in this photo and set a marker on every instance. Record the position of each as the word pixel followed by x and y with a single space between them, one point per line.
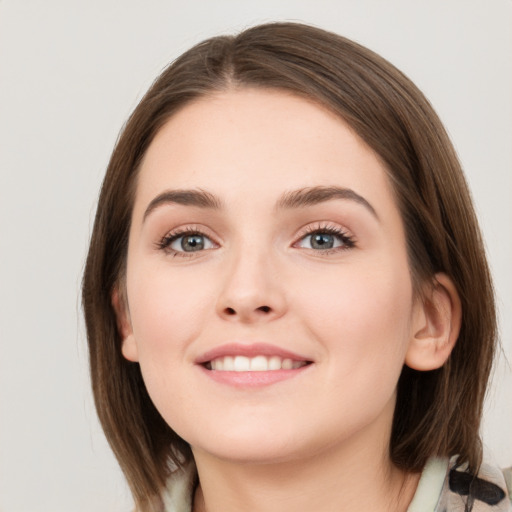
pixel 446 486
pixel 486 491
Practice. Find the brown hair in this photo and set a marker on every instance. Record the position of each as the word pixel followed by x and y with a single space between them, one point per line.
pixel 437 412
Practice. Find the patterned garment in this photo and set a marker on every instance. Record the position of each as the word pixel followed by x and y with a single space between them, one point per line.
pixel 443 487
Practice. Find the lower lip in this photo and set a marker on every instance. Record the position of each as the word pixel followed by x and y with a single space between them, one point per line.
pixel 253 379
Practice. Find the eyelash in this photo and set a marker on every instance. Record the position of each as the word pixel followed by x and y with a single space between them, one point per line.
pixel 165 243
pixel 347 240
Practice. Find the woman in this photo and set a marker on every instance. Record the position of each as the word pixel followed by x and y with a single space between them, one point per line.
pixel 287 299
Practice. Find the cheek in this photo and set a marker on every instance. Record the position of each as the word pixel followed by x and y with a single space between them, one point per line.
pixel 168 312
pixel 362 317
pixel 167 309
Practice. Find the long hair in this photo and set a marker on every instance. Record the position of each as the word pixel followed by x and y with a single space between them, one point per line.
pixel 437 412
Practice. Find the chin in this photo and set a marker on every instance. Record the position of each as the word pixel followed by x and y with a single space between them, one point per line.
pixel 261 445
pixel 257 454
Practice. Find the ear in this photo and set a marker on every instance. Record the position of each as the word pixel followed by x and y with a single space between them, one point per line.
pixel 124 326
pixel 435 325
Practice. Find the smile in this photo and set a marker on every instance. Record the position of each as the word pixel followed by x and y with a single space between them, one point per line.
pixel 259 363
pixel 251 365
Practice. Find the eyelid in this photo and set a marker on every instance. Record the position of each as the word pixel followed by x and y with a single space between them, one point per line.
pixel 344 234
pixel 329 226
pixel 164 243
pixel 347 238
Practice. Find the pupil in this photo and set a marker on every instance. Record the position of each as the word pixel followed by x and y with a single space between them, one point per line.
pixel 322 241
pixel 192 243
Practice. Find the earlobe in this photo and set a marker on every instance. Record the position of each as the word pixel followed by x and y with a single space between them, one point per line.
pixel 124 327
pixel 435 325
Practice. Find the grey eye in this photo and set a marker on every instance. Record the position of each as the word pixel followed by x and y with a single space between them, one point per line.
pixel 321 241
pixel 191 243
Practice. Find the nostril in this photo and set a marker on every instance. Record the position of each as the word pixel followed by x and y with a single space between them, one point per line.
pixel 233 312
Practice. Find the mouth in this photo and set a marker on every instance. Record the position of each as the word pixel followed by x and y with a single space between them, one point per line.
pixel 251 365
pixel 258 363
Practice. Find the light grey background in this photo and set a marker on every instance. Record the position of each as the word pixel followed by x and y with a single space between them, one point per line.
pixel 70 73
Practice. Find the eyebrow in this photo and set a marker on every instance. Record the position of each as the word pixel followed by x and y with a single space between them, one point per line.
pixel 199 198
pixel 315 195
pixel 308 196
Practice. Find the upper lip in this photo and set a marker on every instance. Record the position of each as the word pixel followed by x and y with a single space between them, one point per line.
pixel 248 350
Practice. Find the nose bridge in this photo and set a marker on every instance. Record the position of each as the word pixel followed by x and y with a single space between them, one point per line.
pixel 250 289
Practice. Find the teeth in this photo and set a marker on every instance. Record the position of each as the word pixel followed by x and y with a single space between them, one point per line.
pixel 254 364
pixel 287 364
pixel 242 364
pixel 274 363
pixel 259 364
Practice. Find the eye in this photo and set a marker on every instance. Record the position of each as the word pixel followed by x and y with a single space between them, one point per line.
pixel 186 242
pixel 191 243
pixel 324 239
pixel 321 241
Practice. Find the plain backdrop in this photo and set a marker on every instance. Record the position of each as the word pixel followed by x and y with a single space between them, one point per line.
pixel 70 73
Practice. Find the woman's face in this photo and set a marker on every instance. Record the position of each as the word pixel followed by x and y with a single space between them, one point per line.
pixel 269 294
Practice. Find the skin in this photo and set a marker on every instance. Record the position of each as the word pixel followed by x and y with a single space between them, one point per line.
pixel 316 439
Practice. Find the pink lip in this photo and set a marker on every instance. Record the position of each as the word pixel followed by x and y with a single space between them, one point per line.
pixel 252 379
pixel 248 350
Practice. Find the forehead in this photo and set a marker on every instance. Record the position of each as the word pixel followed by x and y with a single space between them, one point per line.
pixel 261 142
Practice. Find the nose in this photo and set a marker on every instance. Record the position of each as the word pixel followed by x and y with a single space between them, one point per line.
pixel 251 289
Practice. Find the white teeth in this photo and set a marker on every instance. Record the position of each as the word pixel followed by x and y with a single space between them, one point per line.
pixel 242 364
pixel 259 364
pixel 274 363
pixel 254 364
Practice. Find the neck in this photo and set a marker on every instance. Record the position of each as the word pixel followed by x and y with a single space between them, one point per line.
pixel 347 478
